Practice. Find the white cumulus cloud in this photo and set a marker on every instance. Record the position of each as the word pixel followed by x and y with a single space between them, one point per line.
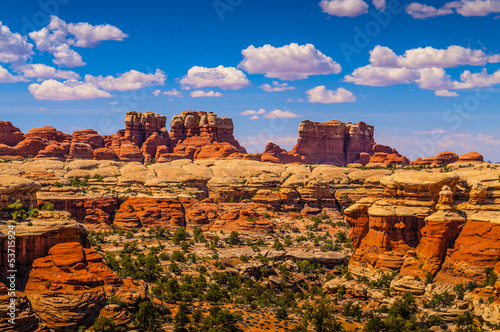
pixel 253 112
pixel 470 80
pixel 221 77
pixel 421 11
pixel 68 90
pixel 289 62
pixel 58 37
pixel 13 46
pixel 320 94
pixel 281 114
pixel 174 92
pixel 7 77
pixel 381 76
pixel 41 71
pixel 201 93
pixel 445 93
pixel 463 7
pixel 348 8
pixel 422 57
pixel 379 4
pixel 128 81
pixel 276 87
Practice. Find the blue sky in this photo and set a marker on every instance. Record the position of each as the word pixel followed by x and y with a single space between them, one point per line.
pixel 414 70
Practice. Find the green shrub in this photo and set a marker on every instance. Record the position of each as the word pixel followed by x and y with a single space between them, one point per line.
pixel 47 206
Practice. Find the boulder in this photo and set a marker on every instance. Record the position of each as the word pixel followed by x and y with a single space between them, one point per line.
pixel 71 285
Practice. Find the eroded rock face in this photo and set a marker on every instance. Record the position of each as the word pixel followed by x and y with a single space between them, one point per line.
pixel 48 133
pixel 273 153
pixel 444 158
pixel 333 142
pixel 94 211
pixel 198 135
pixel 90 137
pixel 475 248
pixel 386 232
pixel 470 157
pixel 384 158
pixel 417 185
pixel 150 212
pixel 13 188
pixel 139 126
pixel 392 231
pixel 10 135
pixel 71 285
pixel 439 233
pixel 243 219
pixel 34 241
pixel 25 318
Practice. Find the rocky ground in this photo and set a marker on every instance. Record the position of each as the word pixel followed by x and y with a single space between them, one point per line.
pixel 241 244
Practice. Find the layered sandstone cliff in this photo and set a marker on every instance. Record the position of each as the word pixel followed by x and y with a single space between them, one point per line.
pixel 333 142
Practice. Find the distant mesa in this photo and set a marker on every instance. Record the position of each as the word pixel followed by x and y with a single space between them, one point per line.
pixel 201 135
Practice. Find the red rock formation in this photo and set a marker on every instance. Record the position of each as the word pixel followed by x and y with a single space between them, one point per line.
pixel 48 133
pixel 382 158
pixel 333 142
pixel 105 154
pixel 71 285
pixel 81 151
pixel 152 144
pixel 150 212
pixel 199 214
pixel 364 158
pixel 59 151
pixel 476 248
pixel 124 149
pixel 97 212
pixel 139 126
pixel 440 231
pixel 444 158
pixel 359 219
pixel 10 135
pixel 273 153
pixel 198 135
pixel 25 318
pixel 392 231
pixel 243 219
pixel 470 158
pixel 28 147
pixel 89 136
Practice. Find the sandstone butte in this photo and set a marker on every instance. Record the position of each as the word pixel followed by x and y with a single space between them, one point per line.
pixel 439 221
pixel 200 135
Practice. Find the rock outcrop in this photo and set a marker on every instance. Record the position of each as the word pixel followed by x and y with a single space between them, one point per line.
pixel 439 233
pixel 140 126
pixel 273 153
pixel 71 285
pixel 470 158
pixel 333 142
pixel 444 158
pixel 10 135
pixel 386 232
pixel 25 320
pixel 150 212
pixel 13 188
pixel 198 135
pixel 476 248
